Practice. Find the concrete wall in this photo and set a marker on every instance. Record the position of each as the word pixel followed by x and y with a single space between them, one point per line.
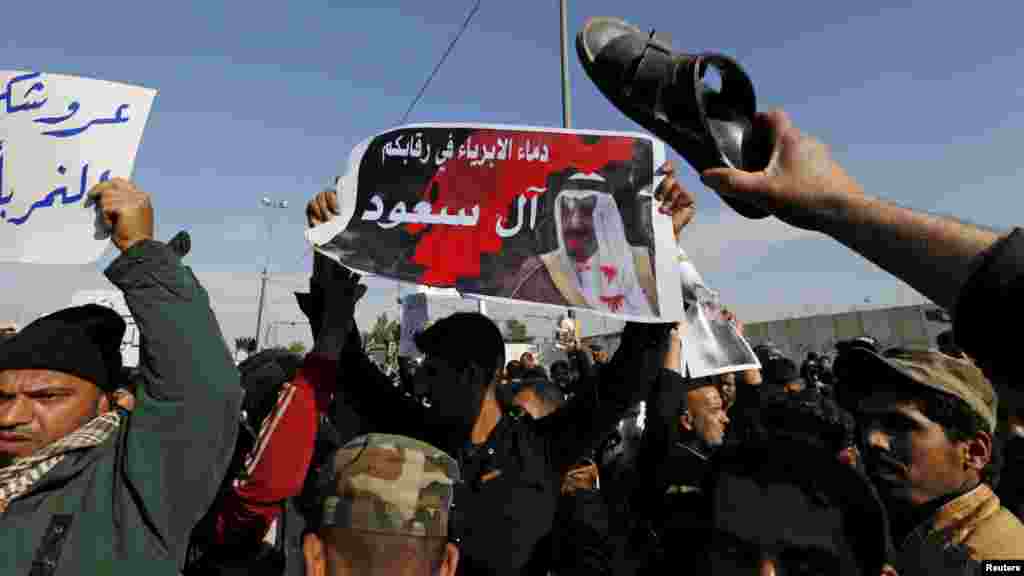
pixel 900 326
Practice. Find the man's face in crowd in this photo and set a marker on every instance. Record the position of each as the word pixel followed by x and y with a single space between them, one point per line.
pixel 705 415
pixel 727 389
pixel 578 226
pixel 535 406
pixel 39 407
pixel 561 375
pixel 794 386
pixel 909 456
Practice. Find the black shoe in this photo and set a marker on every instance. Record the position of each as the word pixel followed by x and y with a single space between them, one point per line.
pixel 665 93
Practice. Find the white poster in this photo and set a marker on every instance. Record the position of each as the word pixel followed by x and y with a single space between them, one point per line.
pixel 114 300
pixel 59 137
pixel 711 344
pixel 414 317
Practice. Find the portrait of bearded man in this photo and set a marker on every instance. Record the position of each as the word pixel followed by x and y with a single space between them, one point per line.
pixel 594 264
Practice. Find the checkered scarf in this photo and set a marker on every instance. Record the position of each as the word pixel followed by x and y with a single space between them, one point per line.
pixel 18 478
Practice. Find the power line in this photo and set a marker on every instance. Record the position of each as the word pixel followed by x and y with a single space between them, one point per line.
pixel 423 89
pixel 444 57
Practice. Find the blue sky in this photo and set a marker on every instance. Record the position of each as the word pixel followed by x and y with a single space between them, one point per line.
pixel 921 101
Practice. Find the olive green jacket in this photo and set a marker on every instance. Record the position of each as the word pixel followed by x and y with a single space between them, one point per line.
pixel 127 505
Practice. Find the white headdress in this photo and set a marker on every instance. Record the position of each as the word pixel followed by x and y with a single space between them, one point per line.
pixel 614 285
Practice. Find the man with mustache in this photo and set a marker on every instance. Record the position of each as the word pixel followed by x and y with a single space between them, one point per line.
pixel 94 489
pixel 928 421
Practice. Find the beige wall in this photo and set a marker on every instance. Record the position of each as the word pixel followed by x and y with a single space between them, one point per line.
pixel 900 326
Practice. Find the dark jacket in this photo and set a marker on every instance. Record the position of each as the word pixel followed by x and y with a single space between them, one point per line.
pixel 744 416
pixel 677 519
pixel 505 519
pixel 665 489
pixel 1011 483
pixel 127 505
pixel 583 543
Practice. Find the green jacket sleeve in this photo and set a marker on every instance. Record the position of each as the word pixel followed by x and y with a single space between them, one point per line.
pixel 181 435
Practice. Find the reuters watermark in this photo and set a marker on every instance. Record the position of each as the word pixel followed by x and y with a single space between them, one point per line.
pixel 1003 566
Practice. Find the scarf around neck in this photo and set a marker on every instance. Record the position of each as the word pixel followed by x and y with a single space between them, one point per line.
pixel 17 478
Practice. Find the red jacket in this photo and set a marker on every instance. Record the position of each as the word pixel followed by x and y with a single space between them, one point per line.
pixel 275 468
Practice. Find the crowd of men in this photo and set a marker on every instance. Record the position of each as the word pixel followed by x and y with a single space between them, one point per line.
pixel 867 461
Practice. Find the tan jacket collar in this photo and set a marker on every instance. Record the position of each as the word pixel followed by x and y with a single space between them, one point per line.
pixel 956 520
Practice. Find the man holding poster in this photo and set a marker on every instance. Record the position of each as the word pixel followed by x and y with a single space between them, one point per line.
pixel 87 487
pixel 513 465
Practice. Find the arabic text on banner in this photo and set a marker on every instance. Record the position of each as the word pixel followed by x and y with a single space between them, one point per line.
pixel 556 217
pixel 59 137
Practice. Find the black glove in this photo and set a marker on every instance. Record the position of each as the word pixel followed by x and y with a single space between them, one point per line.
pixel 312 303
pixel 181 244
pixel 335 292
pixel 648 336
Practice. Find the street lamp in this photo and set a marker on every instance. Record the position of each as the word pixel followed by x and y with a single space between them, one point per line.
pixel 267 203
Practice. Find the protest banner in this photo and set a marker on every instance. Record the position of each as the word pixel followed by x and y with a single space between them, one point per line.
pixel 114 300
pixel 711 344
pixel 556 217
pixel 59 137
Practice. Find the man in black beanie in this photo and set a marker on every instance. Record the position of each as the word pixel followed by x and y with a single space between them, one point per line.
pixel 71 358
pixel 91 488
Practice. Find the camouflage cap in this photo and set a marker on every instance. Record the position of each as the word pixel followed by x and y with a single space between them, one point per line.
pixel 389 484
pixel 932 369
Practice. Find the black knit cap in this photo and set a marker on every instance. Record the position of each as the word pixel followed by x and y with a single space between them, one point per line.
pixel 464 337
pixel 84 341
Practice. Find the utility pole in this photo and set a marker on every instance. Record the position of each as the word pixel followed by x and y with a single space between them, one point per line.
pixel 259 311
pixel 566 96
pixel 268 203
pixel 566 110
